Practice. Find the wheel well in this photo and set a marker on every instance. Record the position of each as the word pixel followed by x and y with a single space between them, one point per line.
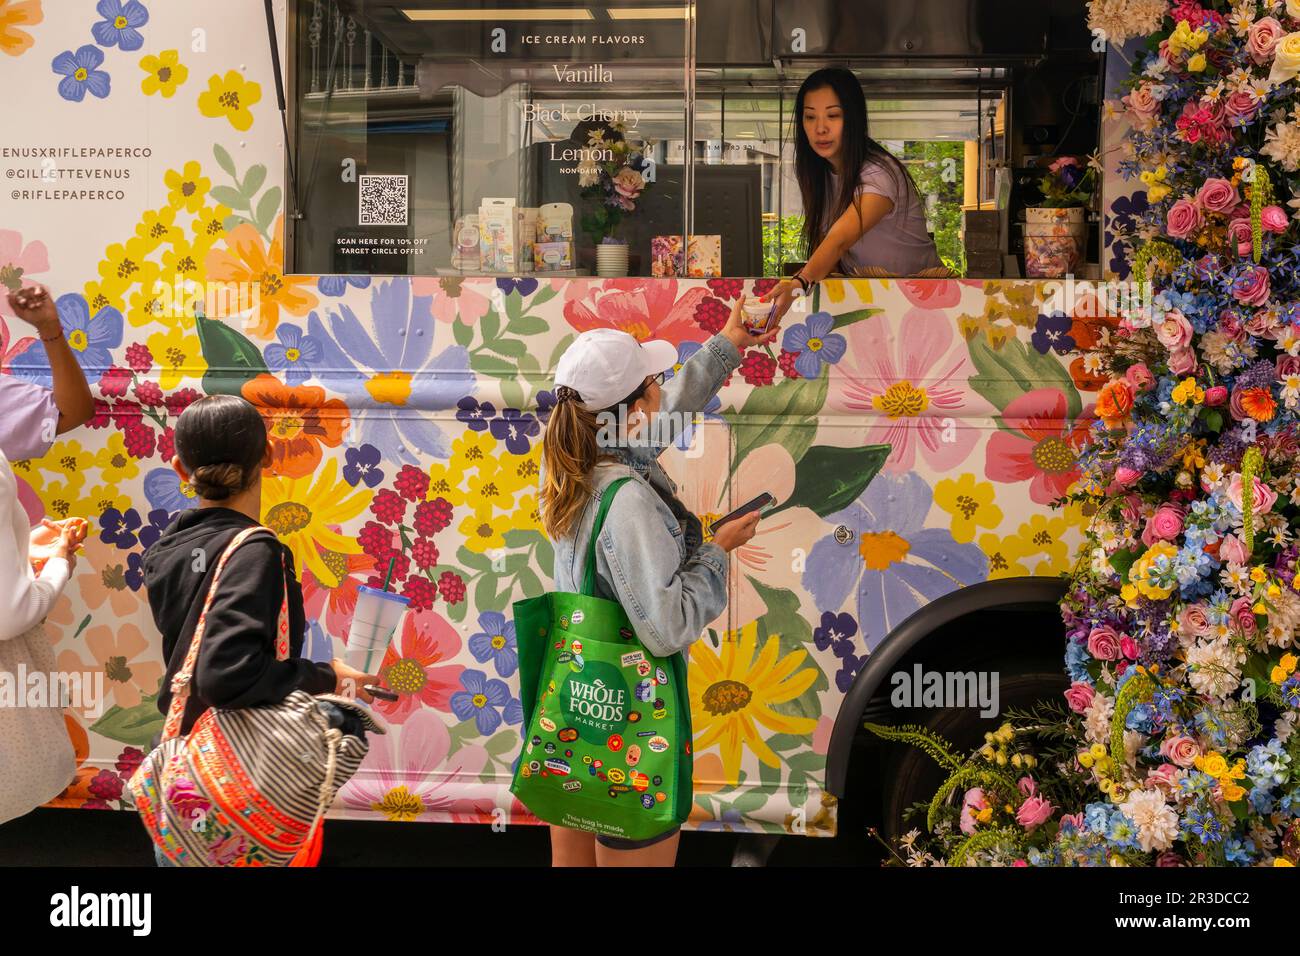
pixel 943 629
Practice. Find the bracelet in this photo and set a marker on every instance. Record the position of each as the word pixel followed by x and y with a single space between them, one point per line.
pixel 803 283
pixel 53 338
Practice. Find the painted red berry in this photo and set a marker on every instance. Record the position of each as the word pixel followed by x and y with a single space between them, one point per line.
pixel 452 587
pixel 786 361
pixel 388 506
pixel 712 314
pixel 412 483
pixel 139 357
pixel 149 393
pixel 421 591
pixel 115 382
pixel 726 288
pixel 432 516
pixel 424 553
pixel 758 368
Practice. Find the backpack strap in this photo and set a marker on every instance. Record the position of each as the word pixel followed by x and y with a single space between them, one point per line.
pixel 184 678
pixel 589 570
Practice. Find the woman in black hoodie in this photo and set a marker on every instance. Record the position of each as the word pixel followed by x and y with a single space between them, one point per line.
pixel 221 449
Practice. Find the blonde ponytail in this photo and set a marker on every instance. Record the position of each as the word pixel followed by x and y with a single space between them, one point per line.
pixel 570 452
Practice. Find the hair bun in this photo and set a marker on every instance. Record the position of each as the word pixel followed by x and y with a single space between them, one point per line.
pixel 218 482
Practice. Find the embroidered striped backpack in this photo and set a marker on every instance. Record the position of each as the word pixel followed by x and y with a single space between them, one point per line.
pixel 245 787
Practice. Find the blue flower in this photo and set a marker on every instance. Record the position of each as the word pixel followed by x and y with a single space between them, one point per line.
pixel 90 337
pixel 336 286
pixel 814 344
pixel 522 286
pixel 134 571
pixel 80 74
pixel 730 821
pixel 318 646
pixel 850 664
pixel 905 565
pixel 395 369
pixel 362 464
pixel 515 428
pixel 545 404
pixel 119 529
pixel 162 489
pixel 475 414
pixel 118 28
pixel 486 700
pixel 836 632
pixel 294 354
pixel 159 518
pixel 496 642
pixel 1052 332
pixel 1204 824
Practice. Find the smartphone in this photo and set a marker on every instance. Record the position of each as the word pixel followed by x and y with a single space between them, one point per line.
pixel 382 693
pixel 756 504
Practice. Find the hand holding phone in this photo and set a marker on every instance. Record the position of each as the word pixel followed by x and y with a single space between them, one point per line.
pixel 737 527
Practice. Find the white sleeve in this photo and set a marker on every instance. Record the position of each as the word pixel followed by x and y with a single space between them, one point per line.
pixel 25 601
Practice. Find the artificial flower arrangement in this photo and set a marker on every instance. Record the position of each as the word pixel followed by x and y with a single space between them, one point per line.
pixel 1182 613
pixel 613 179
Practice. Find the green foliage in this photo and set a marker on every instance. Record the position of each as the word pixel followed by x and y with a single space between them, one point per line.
pixel 937 168
pixel 981 841
pixel 964 778
pixel 232 359
pixel 242 197
pixel 782 243
pixel 828 478
pixel 922 738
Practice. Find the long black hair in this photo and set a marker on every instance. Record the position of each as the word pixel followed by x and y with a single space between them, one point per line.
pixel 221 441
pixel 820 208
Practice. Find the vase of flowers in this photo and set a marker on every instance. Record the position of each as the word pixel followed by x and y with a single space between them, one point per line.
pixel 613 178
pixel 1056 230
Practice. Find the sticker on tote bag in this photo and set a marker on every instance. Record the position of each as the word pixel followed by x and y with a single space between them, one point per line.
pixel 632 658
pixel 658 744
pixel 577 617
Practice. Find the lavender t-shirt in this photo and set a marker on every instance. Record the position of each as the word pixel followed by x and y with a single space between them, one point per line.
pixel 29 420
pixel 899 243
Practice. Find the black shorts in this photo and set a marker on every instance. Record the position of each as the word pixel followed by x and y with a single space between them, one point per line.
pixel 618 843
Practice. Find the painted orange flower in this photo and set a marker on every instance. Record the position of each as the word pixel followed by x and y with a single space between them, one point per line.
pixel 28 13
pixel 299 420
pixel 246 259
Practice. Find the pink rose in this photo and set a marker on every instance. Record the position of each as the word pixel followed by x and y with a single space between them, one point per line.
pixel 1164 778
pixel 1034 812
pixel 1169 858
pixel 1140 378
pixel 1103 643
pixel 1183 219
pixel 1217 195
pixel 1165 525
pixel 1288 365
pixel 1216 395
pixel 1128 647
pixel 1261 323
pixel 1240 107
pixel 1254 290
pixel 1079 696
pixel 1074 819
pixel 1174 331
pixel 1264 496
pixel 1193 620
pixel 971 804
pixel 1240 233
pixel 1026 786
pixel 1274 219
pixel 1131 509
pixel 1233 550
pixel 1126 476
pixel 1182 362
pixel 1019 863
pixel 1182 750
pixel 1243 616
pixel 1261 39
pixel 1230 324
pixel 1143 104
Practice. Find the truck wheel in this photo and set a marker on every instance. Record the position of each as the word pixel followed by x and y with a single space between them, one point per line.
pixel 909 776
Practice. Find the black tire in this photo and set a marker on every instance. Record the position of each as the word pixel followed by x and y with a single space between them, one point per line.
pixel 909 776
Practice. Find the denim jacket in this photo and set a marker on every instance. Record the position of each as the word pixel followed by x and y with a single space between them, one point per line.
pixel 651 557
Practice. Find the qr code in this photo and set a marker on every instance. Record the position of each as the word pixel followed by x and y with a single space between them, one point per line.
pixel 383 201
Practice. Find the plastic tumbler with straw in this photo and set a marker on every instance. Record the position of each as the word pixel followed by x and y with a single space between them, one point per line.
pixel 376 618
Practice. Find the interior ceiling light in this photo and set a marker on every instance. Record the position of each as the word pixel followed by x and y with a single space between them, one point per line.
pixel 533 13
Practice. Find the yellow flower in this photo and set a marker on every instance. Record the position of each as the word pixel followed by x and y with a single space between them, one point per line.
pixel 486 492
pixel 178 355
pixel 970 502
pixel 1005 555
pixel 1278 674
pixel 444 482
pixel 230 96
pixel 528 515
pixel 114 462
pixel 152 304
pixel 1196 64
pixel 124 265
pixel 735 690
pixel 1187 392
pixel 67 458
pixel 1129 594
pixel 1258 574
pixel 1212 764
pixel 1282 861
pixel 60 497
pixel 209 226
pixel 1140 574
pixel 103 295
pixel 1288 661
pixel 473 450
pixel 164 73
pixel 1232 792
pixel 187 188
pixel 482 532
pixel 157 226
pixel 182 265
pixel 99 499
pixel 301 511
pixel 1042 534
pixel 1186 40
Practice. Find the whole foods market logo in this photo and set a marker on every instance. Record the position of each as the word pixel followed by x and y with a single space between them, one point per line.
pixel 595 701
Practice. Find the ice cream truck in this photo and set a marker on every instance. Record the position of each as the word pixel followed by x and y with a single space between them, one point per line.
pixel 309 203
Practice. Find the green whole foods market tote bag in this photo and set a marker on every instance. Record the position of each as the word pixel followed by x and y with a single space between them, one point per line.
pixel 607 743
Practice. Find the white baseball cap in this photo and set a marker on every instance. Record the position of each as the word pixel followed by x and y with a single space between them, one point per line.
pixel 605 366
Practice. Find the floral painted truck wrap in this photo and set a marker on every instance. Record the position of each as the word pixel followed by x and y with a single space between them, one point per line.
pixel 913 433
